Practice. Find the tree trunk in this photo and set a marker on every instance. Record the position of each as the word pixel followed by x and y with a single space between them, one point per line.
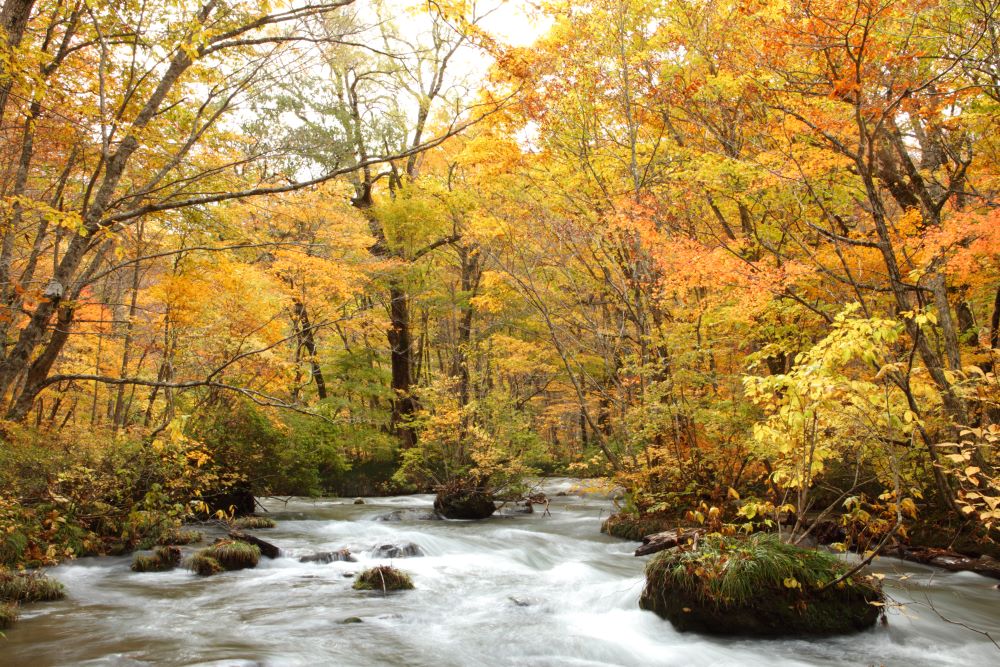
pixel 307 341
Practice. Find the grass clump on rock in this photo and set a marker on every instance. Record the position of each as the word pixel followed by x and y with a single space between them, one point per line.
pixel 29 587
pixel 224 555
pixel 161 560
pixel 254 522
pixel 634 527
pixel 759 586
pixel 203 565
pixel 383 578
pixel 180 536
pixel 234 555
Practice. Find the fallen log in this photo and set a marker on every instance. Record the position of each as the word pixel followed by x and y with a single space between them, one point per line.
pixel 668 539
pixel 266 548
pixel 947 559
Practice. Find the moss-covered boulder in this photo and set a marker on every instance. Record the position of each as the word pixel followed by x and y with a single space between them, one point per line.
pixel 29 587
pixel 234 554
pixel 634 527
pixel 224 555
pixel 204 566
pixel 161 560
pixel 465 504
pixel 759 586
pixel 383 578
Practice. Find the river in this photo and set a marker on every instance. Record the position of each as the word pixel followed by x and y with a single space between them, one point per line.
pixel 528 590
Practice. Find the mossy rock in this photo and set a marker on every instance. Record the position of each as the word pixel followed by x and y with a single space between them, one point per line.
pixel 234 554
pixel 254 522
pixel 465 504
pixel 8 615
pixel 29 587
pixel 161 560
pixel 180 536
pixel 759 586
pixel 224 555
pixel 204 566
pixel 383 578
pixel 635 527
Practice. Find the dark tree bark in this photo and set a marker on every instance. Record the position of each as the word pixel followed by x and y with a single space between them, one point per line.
pixel 307 341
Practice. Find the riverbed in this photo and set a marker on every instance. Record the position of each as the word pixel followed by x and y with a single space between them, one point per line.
pixel 525 590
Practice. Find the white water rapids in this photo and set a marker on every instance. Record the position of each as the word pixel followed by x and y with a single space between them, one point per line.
pixel 522 591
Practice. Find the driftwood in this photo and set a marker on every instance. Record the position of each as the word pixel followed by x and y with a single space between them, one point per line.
pixel 947 559
pixel 668 539
pixel 266 548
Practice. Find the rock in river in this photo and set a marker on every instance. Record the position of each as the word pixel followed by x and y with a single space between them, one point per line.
pixel 403 550
pixel 759 586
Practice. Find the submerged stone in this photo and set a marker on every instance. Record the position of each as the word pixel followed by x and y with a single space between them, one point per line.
pixel 759 586
pixel 323 557
pixel 404 550
pixel 408 515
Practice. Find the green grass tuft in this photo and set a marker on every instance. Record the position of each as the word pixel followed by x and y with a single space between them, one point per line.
pixel 180 536
pixel 145 563
pixel 203 565
pixel 727 571
pixel 161 560
pixel 29 587
pixel 233 554
pixel 383 578
pixel 759 585
pixel 252 522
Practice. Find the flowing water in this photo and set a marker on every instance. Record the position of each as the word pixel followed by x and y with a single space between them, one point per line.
pixel 527 590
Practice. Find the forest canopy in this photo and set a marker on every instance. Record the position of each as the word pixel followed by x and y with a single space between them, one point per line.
pixel 739 257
